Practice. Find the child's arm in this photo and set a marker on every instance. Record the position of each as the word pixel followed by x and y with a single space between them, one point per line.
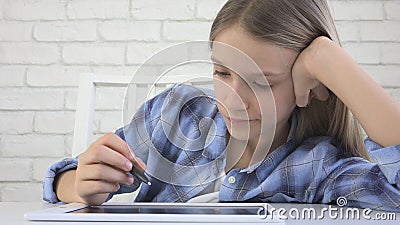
pixel 101 168
pixel 65 187
pixel 329 64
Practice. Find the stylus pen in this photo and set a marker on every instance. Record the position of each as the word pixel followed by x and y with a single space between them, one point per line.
pixel 139 173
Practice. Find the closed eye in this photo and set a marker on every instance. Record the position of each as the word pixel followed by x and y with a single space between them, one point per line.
pixel 224 74
pixel 221 73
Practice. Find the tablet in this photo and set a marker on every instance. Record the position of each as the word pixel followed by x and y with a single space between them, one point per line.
pixel 159 212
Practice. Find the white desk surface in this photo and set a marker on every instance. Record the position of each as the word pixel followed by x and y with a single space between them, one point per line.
pixel 12 213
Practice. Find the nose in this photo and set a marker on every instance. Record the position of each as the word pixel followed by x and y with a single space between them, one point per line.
pixel 237 98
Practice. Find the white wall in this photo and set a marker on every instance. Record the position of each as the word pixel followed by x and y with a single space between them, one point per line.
pixel 46 44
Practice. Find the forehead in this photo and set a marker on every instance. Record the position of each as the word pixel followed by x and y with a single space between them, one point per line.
pixel 267 56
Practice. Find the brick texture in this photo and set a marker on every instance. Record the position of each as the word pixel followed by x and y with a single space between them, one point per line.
pixel 34 10
pixel 66 31
pixel 46 44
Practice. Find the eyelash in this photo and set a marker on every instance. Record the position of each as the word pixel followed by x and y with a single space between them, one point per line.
pixel 221 73
pixel 226 74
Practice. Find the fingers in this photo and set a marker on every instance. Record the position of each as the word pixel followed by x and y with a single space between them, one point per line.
pixel 321 92
pixel 100 174
pixel 108 159
pixel 302 98
pixel 301 91
pixel 305 79
pixel 103 172
pixel 116 143
pixel 112 150
pixel 103 154
pixel 103 167
pixel 306 92
pixel 302 86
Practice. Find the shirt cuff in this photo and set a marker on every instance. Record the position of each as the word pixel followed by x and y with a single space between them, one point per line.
pixel 387 158
pixel 48 191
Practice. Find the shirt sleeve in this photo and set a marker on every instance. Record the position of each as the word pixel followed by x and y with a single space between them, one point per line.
pixel 388 160
pixel 57 168
pixel 365 184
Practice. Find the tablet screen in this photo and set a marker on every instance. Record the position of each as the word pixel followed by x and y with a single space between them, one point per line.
pixel 207 210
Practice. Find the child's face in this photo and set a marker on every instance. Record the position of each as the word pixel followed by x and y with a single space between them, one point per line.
pixel 242 98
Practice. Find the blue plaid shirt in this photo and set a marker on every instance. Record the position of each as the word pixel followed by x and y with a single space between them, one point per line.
pixel 316 171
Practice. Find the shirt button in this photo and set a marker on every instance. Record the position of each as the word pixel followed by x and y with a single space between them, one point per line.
pixel 231 179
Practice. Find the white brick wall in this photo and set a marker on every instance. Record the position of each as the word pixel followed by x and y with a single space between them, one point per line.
pixel 16 31
pixel 163 9
pixel 93 54
pixel 65 31
pixel 197 30
pixel 98 9
pixel 358 10
pixel 120 30
pixel 28 53
pixel 28 10
pixel 46 44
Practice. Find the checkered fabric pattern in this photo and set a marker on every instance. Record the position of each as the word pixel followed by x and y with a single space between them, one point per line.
pixel 181 136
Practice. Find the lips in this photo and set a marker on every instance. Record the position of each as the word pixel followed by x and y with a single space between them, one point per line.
pixel 236 121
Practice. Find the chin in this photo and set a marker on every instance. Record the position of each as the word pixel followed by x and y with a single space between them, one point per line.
pixel 243 134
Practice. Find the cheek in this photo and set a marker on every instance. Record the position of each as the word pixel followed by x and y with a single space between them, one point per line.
pixel 220 91
pixel 284 100
pixel 219 88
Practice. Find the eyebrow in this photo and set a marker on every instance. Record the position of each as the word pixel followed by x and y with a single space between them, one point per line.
pixel 266 73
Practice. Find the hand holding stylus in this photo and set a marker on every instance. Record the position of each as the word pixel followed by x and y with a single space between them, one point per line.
pixel 105 165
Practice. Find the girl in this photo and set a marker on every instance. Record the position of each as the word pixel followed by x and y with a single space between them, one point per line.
pixel 317 153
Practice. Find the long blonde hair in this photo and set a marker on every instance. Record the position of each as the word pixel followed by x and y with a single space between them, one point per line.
pixel 294 25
